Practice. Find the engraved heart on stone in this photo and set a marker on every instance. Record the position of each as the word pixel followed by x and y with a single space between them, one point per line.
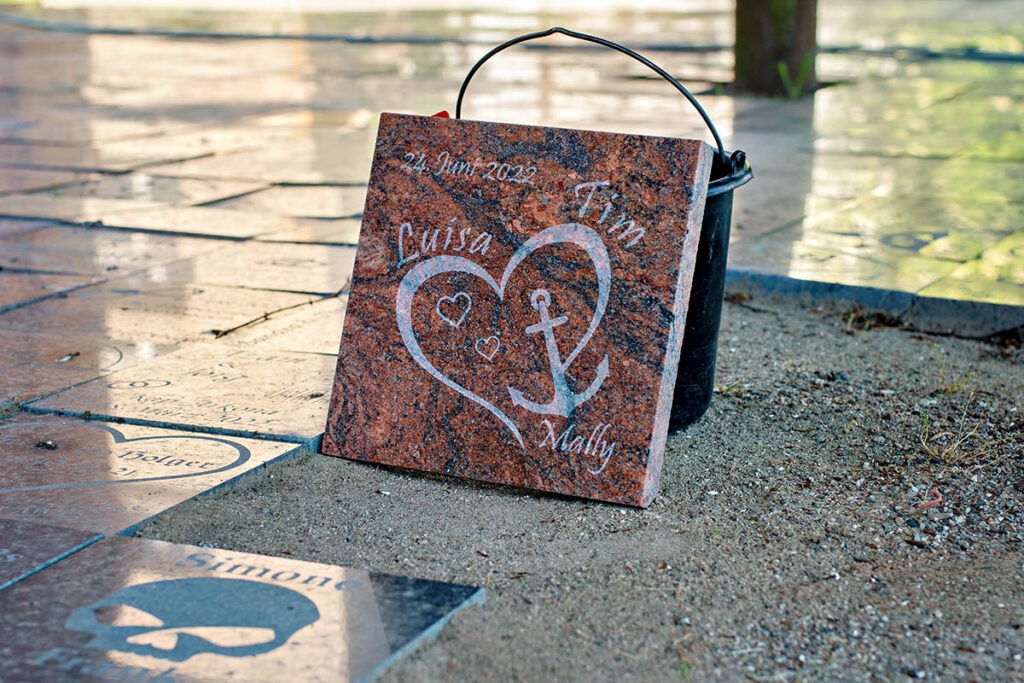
pixel 241 456
pixel 567 233
pixel 487 347
pixel 454 309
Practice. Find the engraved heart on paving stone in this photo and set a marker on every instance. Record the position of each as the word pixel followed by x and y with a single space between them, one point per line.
pixel 127 465
pixel 564 400
pixel 454 309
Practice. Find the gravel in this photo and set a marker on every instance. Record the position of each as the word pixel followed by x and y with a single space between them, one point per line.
pixel 850 508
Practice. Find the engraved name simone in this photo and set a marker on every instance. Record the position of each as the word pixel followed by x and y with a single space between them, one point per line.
pixel 447 164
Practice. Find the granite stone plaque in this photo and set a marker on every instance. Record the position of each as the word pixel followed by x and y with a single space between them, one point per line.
pixel 26 547
pixel 106 478
pixel 129 609
pixel 518 305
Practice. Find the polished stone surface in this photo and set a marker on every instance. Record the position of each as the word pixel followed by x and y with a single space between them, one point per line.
pixel 37 364
pixel 105 478
pixel 27 547
pixel 215 387
pixel 313 328
pixel 133 609
pixel 303 201
pixel 20 289
pixel 518 305
pixel 152 188
pixel 15 180
pixel 305 268
pixel 94 251
pixel 151 312
pixel 342 231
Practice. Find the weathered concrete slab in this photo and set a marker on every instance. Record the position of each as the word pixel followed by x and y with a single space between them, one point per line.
pixel 105 478
pixel 27 547
pixel 148 313
pixel 147 610
pixel 212 387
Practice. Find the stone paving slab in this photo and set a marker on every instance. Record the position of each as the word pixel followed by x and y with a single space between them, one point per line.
pixel 344 231
pixel 19 289
pixel 212 388
pixel 134 609
pixel 302 201
pixel 37 363
pixel 105 478
pixel 305 268
pixel 161 189
pixel 73 209
pixel 203 221
pixel 148 312
pixel 14 227
pixel 27 179
pixel 27 547
pixel 314 328
pixel 334 158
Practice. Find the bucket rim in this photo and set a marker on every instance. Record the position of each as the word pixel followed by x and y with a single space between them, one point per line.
pixel 730 181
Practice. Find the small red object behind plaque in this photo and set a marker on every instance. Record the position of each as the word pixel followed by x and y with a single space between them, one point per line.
pixel 518 305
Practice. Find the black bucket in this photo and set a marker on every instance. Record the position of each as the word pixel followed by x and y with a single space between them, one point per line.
pixel 695 380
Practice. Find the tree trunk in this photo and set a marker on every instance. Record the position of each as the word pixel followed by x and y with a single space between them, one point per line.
pixel 775 46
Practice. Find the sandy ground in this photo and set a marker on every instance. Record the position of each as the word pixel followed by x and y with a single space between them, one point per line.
pixel 850 508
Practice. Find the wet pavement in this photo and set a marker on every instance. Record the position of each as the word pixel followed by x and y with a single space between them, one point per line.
pixel 180 195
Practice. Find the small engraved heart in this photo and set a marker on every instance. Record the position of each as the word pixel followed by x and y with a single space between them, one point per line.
pixel 450 310
pixel 487 347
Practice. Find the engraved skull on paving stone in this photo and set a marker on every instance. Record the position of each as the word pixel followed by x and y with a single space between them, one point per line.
pixel 179 618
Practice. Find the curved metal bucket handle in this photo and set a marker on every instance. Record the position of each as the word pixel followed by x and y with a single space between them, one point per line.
pixel 723 157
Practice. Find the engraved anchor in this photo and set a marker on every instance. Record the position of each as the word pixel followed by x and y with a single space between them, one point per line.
pixel 564 400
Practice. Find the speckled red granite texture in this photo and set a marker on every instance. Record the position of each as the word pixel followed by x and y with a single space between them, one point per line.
pixel 518 304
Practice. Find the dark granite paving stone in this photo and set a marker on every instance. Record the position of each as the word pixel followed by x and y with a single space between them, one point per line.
pixel 27 547
pixel 140 610
pixel 518 303
pixel 212 387
pixel 107 478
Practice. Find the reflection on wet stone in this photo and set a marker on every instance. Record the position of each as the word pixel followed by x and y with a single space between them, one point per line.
pixel 27 547
pixel 133 609
pixel 106 478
